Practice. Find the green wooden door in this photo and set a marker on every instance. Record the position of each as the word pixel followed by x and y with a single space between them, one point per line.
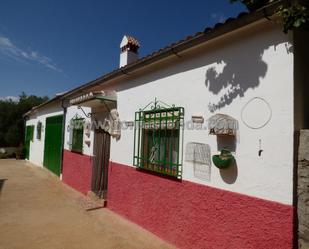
pixel 28 137
pixel 53 144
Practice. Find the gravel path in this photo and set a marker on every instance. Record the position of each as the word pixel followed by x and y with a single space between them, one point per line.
pixel 38 211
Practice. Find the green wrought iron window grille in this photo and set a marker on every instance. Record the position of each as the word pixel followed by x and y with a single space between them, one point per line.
pixel 158 139
pixel 77 126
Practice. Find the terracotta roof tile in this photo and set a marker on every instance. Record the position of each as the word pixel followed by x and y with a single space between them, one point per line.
pixel 133 41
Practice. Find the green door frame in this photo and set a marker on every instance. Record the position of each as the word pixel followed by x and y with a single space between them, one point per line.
pixel 53 144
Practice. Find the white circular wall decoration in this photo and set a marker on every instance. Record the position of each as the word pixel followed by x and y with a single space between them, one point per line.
pixel 256 113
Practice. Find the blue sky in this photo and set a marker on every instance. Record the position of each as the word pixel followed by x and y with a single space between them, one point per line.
pixel 50 46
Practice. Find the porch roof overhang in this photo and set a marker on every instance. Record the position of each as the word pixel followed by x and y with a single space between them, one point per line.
pixel 222 124
pixel 94 99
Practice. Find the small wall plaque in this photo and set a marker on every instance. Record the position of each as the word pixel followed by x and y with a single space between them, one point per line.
pixel 197 119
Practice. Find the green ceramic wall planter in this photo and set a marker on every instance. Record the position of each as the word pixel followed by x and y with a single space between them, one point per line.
pixel 224 160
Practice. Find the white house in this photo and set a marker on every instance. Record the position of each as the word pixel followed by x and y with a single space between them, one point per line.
pixel 44 135
pixel 238 89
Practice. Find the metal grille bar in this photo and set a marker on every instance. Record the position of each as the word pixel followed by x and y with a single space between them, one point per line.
pixel 158 139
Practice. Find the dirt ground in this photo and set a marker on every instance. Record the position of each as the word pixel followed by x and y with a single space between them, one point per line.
pixel 38 211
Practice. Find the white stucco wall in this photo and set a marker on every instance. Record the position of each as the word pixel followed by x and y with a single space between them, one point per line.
pixel 37 146
pixel 258 63
pixel 54 109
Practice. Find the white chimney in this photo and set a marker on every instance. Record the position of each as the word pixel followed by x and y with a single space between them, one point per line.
pixel 128 50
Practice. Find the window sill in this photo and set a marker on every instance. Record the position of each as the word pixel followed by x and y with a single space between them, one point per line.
pixel 77 152
pixel 160 174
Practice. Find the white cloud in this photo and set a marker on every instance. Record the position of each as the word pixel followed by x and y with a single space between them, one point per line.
pixel 218 17
pixel 9 49
pixel 7 98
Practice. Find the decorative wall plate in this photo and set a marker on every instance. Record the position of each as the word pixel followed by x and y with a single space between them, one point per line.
pixel 256 113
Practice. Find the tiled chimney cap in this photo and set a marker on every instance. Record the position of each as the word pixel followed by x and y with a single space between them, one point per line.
pixel 129 40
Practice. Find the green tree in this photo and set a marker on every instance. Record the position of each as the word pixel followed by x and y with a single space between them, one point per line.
pixel 294 14
pixel 11 118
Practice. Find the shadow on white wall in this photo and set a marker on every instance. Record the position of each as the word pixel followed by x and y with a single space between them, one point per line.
pixel 236 71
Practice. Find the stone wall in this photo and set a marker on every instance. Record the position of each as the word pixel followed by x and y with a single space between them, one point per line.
pixel 303 190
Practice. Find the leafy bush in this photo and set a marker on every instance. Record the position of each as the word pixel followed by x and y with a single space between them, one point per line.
pixel 7 155
pixel 21 153
pixel 294 15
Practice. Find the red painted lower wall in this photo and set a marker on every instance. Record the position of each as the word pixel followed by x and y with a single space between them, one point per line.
pixel 190 215
pixel 77 171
